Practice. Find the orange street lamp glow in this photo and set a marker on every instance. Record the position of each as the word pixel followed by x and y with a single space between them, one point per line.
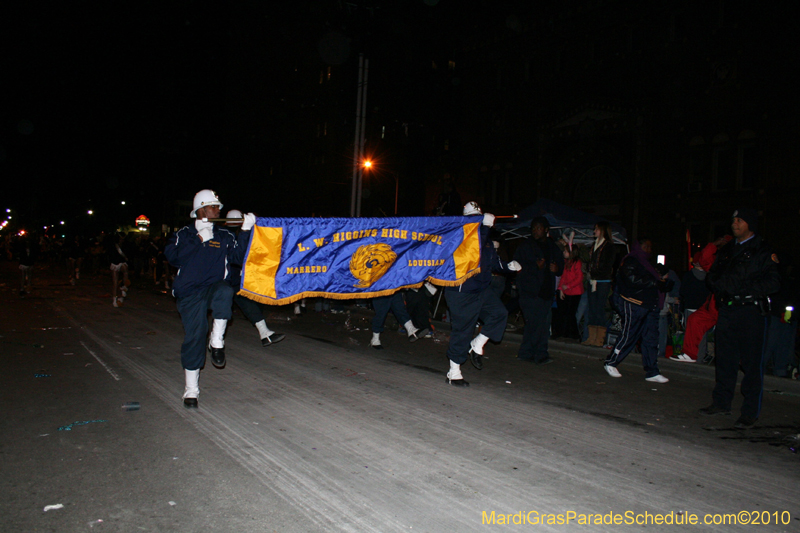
pixel 367 164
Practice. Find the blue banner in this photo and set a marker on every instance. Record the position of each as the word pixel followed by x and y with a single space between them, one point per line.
pixel 344 258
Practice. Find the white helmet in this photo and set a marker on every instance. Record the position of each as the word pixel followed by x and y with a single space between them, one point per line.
pixel 234 213
pixel 472 208
pixel 204 198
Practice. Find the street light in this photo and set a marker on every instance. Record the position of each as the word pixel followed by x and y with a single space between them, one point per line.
pixel 368 165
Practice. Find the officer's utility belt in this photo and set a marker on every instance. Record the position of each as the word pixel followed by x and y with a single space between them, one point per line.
pixel 763 304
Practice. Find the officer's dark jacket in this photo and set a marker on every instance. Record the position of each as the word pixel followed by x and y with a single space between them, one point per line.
pixel 201 264
pixel 744 270
pixel 489 262
pixel 532 281
pixel 636 284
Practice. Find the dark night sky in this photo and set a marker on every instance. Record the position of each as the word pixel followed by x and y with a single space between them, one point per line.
pixel 101 96
pixel 148 102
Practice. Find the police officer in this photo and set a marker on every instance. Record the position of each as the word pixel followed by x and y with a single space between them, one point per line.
pixel 203 252
pixel 742 277
pixel 474 300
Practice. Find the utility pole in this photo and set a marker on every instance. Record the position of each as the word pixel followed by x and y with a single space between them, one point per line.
pixel 358 144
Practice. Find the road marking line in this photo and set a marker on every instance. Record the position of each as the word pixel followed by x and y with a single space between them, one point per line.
pixel 108 368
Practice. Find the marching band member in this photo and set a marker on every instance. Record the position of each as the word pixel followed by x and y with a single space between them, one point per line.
pixel 474 300
pixel 250 308
pixel 203 252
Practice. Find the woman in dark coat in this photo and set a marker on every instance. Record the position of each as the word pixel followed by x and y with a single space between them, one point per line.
pixel 601 266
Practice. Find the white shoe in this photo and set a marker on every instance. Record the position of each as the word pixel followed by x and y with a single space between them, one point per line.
pixel 217 337
pixel 412 331
pixel 375 342
pixel 658 378
pixel 192 389
pixel 478 343
pixel 476 346
pixel 455 372
pixel 683 358
pixel 612 371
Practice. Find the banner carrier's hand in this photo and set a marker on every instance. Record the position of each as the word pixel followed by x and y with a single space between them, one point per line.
pixel 249 222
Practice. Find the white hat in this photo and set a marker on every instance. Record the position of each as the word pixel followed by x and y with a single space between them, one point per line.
pixel 202 199
pixel 472 208
pixel 234 213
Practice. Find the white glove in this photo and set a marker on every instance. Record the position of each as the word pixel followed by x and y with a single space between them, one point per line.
pixel 514 266
pixel 249 222
pixel 488 219
pixel 431 288
pixel 204 229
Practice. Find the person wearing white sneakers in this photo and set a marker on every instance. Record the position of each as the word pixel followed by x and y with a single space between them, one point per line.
pixel 203 253
pixel 474 300
pixel 395 304
pixel 638 297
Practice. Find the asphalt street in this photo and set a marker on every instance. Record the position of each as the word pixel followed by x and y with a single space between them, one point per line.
pixel 323 433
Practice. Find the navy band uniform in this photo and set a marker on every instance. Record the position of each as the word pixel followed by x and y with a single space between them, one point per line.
pixel 203 253
pixel 474 300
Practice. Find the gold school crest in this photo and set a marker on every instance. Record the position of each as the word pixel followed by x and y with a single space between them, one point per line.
pixel 370 262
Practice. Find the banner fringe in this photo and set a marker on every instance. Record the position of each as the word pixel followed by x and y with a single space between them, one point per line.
pixel 352 296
